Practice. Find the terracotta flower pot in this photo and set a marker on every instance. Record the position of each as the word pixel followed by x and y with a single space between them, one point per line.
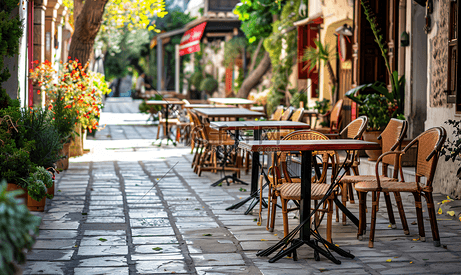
pixel 373 155
pixel 34 205
pixel 50 191
pixel 22 197
pixel 64 163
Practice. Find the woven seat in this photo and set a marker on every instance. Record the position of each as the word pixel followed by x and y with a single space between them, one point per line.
pixel 387 186
pixel 292 191
pixel 428 145
pixel 354 179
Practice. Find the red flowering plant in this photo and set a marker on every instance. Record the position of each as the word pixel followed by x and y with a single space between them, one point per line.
pixel 74 94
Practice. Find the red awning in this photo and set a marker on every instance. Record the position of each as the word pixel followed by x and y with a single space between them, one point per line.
pixel 190 42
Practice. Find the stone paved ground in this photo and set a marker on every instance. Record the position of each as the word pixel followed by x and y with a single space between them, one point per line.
pixel 113 213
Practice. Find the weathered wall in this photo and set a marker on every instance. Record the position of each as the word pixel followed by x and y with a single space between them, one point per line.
pixel 438 111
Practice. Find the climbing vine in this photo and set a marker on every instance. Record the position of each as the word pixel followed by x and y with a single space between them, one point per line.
pixel 281 46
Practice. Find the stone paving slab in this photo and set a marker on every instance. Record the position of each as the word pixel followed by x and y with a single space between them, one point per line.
pixel 115 214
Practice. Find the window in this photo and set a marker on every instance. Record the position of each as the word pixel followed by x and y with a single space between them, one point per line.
pixel 454 92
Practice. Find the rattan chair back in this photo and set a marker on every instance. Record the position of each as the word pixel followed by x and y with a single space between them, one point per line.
pixel 297 116
pixel 429 145
pixel 336 117
pixel 277 115
pixel 287 114
pixel 391 139
pixel 355 128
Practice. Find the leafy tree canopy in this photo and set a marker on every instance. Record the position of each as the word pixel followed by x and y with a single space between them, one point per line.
pixel 257 17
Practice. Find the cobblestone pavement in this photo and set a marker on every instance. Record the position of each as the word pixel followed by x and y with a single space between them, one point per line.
pixel 128 207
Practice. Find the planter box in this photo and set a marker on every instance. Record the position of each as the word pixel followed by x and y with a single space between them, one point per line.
pixel 34 205
pixel 22 198
pixel 64 163
pixel 76 145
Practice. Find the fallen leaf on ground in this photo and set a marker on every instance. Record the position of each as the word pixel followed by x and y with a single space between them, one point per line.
pixel 411 262
pixel 389 226
pixel 413 223
pixel 258 223
pixel 439 211
pixel 416 239
pixel 263 240
pixel 102 240
pixel 451 213
pixel 83 213
pixel 157 248
pixel 207 234
pixel 389 260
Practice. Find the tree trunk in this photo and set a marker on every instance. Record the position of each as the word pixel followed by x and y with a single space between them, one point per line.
pixel 78 6
pixel 253 79
pixel 334 82
pixel 87 25
pixel 255 55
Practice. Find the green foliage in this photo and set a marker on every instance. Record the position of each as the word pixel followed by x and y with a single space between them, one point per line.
pixel 196 79
pixel 17 230
pixel 320 53
pixel 15 160
pixel 234 49
pixel 256 17
pixel 376 108
pixel 323 106
pixel 209 85
pixel 452 148
pixel 298 97
pixel 239 80
pixel 10 32
pixel 37 182
pixel 283 34
pixel 64 118
pixel 144 108
pixel 38 126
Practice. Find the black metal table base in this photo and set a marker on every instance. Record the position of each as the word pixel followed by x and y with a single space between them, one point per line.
pixel 232 177
pixel 255 197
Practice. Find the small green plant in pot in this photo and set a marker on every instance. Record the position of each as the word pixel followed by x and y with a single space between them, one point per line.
pixel 17 230
pixel 37 182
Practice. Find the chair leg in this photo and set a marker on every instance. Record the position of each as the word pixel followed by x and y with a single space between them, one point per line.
pixel 344 191
pixel 158 130
pixel 398 200
pixel 419 216
pixel 374 211
pixel 350 191
pixel 433 218
pixel 285 216
pixel 329 219
pixel 273 210
pixel 269 201
pixel 362 214
pixel 390 212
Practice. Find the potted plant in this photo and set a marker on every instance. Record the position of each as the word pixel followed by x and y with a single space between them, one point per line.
pixel 17 230
pixel 37 183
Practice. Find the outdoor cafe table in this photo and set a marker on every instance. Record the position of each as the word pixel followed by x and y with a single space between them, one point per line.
pixel 167 105
pixel 231 100
pixel 212 113
pixel 257 127
pixel 306 147
pixel 192 106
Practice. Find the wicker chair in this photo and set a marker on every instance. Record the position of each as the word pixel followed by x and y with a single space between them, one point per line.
pixel 172 121
pixel 391 140
pixel 277 115
pixel 428 145
pixel 297 116
pixel 286 114
pixel 289 188
pixel 335 119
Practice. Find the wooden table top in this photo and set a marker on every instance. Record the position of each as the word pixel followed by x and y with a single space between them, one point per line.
pixel 231 100
pixel 228 112
pixel 307 145
pixel 165 102
pixel 191 106
pixel 257 125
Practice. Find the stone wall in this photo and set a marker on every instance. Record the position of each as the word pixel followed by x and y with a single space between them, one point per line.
pixel 439 54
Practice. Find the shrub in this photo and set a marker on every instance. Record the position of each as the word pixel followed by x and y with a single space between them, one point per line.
pixel 209 85
pixel 17 230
